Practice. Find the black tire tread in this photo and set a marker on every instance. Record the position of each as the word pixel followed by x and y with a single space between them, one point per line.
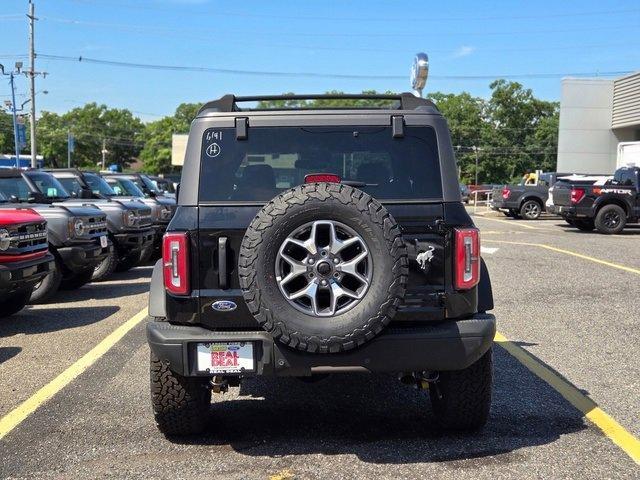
pixel 279 206
pixel 180 404
pixel 466 396
pixel 48 286
pixel 14 302
pixel 77 280
pixel 105 268
pixel 599 220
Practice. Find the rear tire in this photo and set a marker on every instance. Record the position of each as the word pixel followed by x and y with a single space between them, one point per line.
pixel 531 210
pixel 585 225
pixel 106 267
pixel 49 285
pixel 14 302
pixel 611 219
pixel 180 404
pixel 77 280
pixel 465 396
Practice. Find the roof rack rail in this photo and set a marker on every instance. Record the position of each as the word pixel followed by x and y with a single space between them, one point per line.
pixel 229 103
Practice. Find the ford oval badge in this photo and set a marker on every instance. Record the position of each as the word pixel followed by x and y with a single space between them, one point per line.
pixel 224 306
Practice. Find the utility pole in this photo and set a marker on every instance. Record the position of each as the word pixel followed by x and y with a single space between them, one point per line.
pixel 32 80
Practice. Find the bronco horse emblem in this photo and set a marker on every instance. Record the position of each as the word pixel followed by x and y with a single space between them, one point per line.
pixel 424 258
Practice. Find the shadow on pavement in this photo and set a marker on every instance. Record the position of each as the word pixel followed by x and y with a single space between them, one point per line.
pixel 30 321
pixel 7 353
pixel 629 230
pixel 100 291
pixel 381 421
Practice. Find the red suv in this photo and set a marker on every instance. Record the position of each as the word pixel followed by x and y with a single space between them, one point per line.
pixel 24 257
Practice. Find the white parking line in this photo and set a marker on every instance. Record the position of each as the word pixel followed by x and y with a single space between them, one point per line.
pixel 489 250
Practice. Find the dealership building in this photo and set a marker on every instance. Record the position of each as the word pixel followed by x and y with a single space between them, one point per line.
pixel 597 114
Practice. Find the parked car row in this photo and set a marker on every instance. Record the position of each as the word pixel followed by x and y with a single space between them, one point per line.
pixel 63 228
pixel 602 202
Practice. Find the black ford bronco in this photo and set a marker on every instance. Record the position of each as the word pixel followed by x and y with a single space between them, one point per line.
pixel 317 241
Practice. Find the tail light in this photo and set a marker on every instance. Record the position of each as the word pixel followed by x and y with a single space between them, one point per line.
pixel 175 261
pixel 577 194
pixel 322 177
pixel 467 258
pixel 505 193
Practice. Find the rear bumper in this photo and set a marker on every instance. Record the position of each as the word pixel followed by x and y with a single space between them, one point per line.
pixel 574 211
pixel 17 275
pixel 450 345
pixel 502 205
pixel 133 242
pixel 81 257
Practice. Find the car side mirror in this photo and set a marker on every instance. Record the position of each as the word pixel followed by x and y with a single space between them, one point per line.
pixel 36 197
pixel 152 194
pixel 85 193
pixel 14 199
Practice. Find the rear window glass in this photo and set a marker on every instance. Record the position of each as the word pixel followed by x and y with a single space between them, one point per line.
pixel 274 159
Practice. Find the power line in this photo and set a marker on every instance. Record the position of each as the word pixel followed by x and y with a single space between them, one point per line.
pixel 186 68
pixel 474 18
pixel 419 34
pixel 155 31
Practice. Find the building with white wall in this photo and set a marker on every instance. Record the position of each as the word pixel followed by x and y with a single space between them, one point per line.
pixel 595 115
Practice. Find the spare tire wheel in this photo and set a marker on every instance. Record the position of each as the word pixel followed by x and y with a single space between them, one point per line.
pixel 323 267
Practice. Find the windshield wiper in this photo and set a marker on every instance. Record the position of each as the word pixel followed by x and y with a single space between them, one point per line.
pixel 357 183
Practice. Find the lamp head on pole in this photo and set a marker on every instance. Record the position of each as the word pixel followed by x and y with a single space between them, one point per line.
pixel 419 73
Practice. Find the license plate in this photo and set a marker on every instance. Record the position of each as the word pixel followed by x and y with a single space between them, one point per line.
pixel 225 357
pixel 103 241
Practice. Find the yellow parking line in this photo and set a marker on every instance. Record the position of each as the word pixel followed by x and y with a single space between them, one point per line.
pixel 16 416
pixel 569 252
pixel 612 429
pixel 512 223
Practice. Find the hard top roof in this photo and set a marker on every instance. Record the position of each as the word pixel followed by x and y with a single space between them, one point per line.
pixel 398 102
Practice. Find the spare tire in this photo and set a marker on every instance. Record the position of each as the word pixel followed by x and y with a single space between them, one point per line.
pixel 323 267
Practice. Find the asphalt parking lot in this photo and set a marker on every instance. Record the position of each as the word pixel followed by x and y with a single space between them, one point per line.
pixel 570 299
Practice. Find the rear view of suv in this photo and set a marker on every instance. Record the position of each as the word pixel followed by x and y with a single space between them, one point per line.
pixel 318 241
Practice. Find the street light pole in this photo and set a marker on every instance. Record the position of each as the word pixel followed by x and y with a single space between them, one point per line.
pixel 476 149
pixel 15 120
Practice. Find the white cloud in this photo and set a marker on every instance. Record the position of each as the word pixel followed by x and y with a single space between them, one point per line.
pixel 463 51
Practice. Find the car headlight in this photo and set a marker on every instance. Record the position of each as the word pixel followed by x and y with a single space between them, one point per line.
pixel 129 218
pixel 5 239
pixel 78 227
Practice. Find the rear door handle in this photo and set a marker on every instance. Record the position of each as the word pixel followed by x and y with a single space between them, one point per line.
pixel 223 276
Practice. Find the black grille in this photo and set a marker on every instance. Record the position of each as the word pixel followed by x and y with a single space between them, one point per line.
pixel 27 238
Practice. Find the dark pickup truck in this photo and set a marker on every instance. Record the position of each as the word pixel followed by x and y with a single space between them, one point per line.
pixel 526 201
pixel 608 207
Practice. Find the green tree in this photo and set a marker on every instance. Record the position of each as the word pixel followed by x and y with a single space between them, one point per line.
pixel 156 154
pixel 6 133
pixel 468 126
pixel 92 126
pixel 520 138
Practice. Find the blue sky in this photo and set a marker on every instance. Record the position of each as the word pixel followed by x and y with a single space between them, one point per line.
pixel 367 38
